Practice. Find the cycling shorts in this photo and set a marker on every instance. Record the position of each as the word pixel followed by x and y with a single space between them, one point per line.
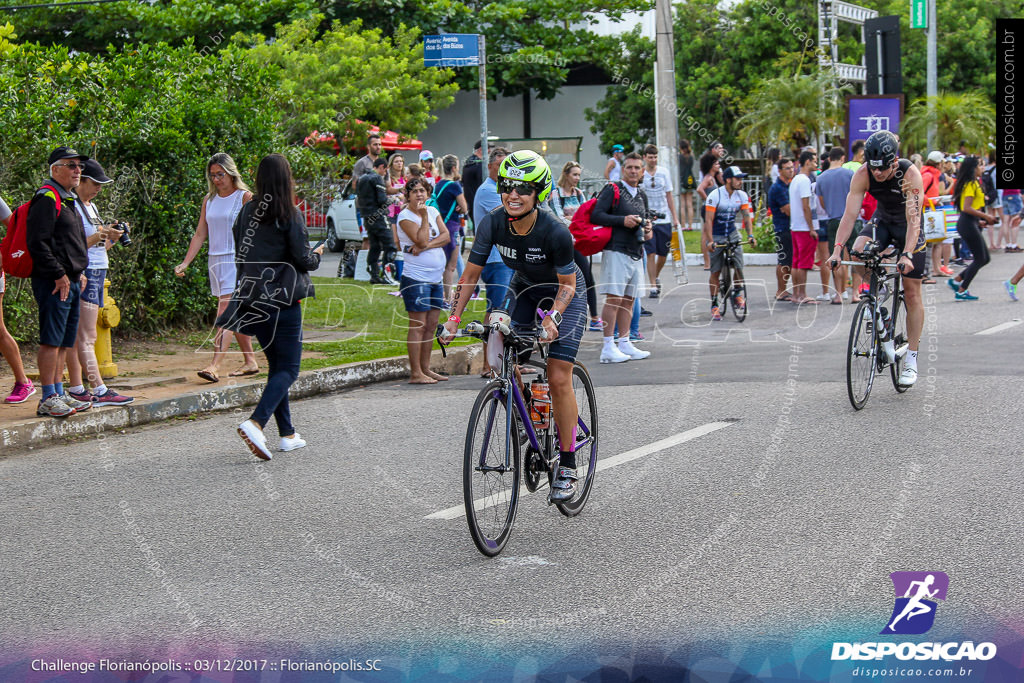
pixel 525 297
pixel 887 234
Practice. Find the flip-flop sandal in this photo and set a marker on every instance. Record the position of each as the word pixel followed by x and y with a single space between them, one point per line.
pixel 243 373
pixel 837 303
pixel 784 297
pixel 208 376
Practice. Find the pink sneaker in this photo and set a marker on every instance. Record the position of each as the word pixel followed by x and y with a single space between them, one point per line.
pixel 20 393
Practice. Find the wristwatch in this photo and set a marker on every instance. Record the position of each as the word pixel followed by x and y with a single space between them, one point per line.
pixel 556 317
pixel 908 255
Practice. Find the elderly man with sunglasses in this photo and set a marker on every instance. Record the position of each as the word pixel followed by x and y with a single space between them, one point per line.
pixel 56 242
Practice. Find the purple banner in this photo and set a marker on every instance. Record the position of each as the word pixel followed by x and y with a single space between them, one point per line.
pixel 866 114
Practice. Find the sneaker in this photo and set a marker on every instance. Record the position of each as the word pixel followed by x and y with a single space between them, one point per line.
pixel 653 294
pixel 20 392
pixel 823 297
pixel 632 352
pixel 254 439
pixel 644 313
pixel 908 377
pixel 112 398
pixel 954 285
pixel 716 313
pixel 638 337
pixel 389 274
pixel 54 407
pixel 563 487
pixel 611 354
pixel 965 296
pixel 739 302
pixel 1011 289
pixel 945 270
pixel 294 443
pixel 596 325
pixel 84 397
pixel 79 406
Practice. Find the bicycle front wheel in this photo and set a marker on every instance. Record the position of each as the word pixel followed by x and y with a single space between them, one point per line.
pixel 860 355
pixel 586 440
pixel 900 339
pixel 491 470
pixel 739 297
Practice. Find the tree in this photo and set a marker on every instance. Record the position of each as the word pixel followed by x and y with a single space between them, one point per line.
pixel 326 83
pixel 794 109
pixel 969 117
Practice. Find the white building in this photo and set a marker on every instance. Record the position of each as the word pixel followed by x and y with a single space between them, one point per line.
pixel 457 127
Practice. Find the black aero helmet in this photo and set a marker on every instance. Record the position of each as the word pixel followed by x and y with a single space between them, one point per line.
pixel 881 149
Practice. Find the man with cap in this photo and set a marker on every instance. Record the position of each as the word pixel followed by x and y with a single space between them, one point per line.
pixel 56 243
pixel 427 162
pixel 613 169
pixel 473 171
pixel 372 200
pixel 99 237
pixel 720 212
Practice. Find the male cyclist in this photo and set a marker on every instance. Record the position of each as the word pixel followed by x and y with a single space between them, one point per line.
pixel 721 209
pixel 897 186
pixel 538 248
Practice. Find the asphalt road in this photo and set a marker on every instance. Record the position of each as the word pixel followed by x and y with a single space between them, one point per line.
pixel 759 543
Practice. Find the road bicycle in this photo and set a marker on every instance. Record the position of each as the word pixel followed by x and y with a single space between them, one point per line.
pixel 732 272
pixel 879 327
pixel 507 446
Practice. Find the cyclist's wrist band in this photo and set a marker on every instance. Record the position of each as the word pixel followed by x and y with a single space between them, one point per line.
pixel 454 318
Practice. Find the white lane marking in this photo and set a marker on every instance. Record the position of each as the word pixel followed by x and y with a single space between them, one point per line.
pixel 1001 326
pixel 614 461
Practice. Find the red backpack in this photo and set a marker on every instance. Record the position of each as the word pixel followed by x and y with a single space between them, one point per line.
pixel 14 249
pixel 591 238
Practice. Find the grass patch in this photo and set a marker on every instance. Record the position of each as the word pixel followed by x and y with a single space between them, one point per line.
pixel 372 322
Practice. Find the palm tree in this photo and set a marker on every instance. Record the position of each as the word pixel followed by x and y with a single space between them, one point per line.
pixel 958 116
pixel 792 109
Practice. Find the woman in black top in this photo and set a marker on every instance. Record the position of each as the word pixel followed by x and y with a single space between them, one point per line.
pixel 273 262
pixel 538 248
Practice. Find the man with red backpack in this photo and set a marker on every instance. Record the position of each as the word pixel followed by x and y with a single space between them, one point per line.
pixel 56 242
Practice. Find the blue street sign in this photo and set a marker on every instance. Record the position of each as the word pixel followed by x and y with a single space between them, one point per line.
pixel 451 49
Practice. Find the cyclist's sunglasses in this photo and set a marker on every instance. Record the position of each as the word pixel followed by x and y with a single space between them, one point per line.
pixel 506 186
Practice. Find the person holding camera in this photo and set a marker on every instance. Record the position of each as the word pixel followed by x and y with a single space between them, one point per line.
pixel 621 261
pixel 227 194
pixel 99 237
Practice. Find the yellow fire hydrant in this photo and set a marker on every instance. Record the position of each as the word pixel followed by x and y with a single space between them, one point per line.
pixel 109 317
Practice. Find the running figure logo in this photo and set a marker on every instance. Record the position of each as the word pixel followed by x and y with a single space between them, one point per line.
pixel 914 611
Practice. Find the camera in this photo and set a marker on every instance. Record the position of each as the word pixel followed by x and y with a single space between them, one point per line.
pixel 124 240
pixel 646 221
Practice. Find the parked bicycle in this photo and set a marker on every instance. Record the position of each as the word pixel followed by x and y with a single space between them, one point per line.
pixel 878 333
pixel 512 439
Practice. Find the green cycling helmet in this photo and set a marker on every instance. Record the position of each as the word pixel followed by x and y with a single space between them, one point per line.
pixel 527 166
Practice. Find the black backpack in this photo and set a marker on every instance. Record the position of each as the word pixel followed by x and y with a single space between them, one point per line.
pixel 988 186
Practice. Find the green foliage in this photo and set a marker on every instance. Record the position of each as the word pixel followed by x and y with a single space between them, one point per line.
pixel 325 83
pixel 791 109
pixel 969 117
pixel 148 115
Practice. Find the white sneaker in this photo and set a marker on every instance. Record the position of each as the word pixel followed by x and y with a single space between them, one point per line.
pixel 254 439
pixel 293 443
pixel 611 354
pixel 627 348
pixel 908 377
pixel 823 297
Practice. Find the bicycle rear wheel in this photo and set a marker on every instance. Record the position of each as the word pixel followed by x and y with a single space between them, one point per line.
pixel 586 437
pixel 491 491
pixel 860 356
pixel 900 339
pixel 738 295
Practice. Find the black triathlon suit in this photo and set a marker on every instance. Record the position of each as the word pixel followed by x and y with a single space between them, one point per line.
pixel 890 219
pixel 537 259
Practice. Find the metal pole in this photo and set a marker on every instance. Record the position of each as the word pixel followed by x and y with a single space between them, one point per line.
pixel 881 63
pixel 665 89
pixel 932 87
pixel 483 95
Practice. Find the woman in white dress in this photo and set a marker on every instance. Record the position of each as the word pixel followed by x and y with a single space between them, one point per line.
pixel 227 194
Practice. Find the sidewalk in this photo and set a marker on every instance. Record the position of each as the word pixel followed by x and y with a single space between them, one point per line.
pixel 162 378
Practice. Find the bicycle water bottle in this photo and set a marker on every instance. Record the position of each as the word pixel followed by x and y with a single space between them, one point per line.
pixel 540 408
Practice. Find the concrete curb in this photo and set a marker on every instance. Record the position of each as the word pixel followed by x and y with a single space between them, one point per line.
pixel 232 394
